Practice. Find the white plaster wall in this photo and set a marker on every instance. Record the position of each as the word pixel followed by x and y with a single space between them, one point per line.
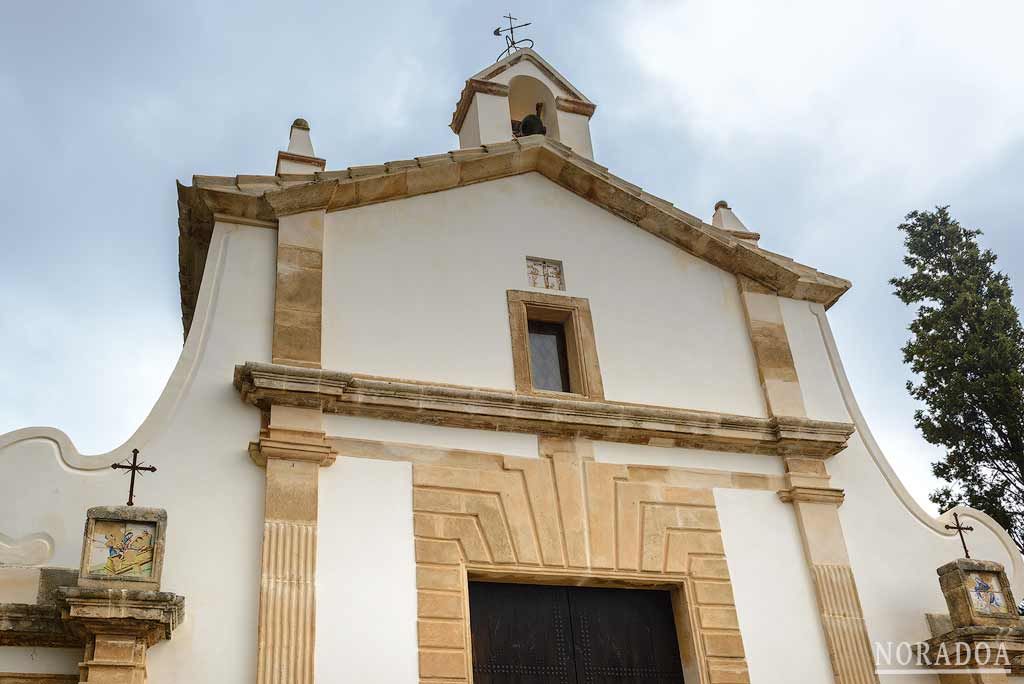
pixel 675 457
pixel 773 588
pixel 213 494
pixel 416 289
pixel 469 134
pixel 574 130
pixel 487 121
pixel 40 660
pixel 508 443
pixel 821 393
pixel 894 545
pixel 366 574
pixel 18 584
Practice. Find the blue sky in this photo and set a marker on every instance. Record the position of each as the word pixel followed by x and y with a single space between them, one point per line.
pixel 822 124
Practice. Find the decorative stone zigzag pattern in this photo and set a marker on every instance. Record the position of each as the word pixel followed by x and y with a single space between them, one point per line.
pixel 564 518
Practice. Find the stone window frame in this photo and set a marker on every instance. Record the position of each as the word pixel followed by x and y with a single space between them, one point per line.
pixel 581 345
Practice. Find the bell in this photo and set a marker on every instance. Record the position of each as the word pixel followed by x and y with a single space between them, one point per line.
pixel 532 125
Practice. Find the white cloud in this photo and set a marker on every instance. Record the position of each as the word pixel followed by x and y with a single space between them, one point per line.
pixel 913 89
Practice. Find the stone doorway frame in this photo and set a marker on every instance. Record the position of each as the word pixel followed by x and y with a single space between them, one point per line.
pixel 565 519
pixel 685 613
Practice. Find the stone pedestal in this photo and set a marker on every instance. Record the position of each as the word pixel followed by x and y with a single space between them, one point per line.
pixel 118 626
pixel 985 640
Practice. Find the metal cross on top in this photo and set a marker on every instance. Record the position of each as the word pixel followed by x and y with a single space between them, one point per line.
pixel 960 529
pixel 134 467
pixel 511 44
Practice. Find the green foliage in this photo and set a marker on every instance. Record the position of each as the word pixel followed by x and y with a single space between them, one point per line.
pixel 967 352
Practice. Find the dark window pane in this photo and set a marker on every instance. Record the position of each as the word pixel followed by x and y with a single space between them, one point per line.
pixel 549 361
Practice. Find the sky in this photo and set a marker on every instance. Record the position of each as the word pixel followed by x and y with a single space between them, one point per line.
pixel 821 123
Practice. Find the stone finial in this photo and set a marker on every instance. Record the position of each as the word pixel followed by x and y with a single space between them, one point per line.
pixel 725 219
pixel 299 158
pixel 299 141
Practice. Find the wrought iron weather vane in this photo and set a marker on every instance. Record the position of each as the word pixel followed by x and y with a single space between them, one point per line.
pixel 511 44
pixel 134 467
pixel 960 529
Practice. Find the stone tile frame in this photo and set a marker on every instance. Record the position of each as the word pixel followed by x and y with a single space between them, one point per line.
pixel 574 313
pixel 564 518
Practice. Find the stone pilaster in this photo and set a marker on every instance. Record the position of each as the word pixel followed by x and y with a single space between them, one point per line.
pixel 293 450
pixel 817 511
pixel 768 337
pixel 299 294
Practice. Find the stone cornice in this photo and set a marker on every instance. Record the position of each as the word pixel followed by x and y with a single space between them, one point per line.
pixel 76 612
pixel 472 87
pixel 300 158
pixel 152 615
pixel 568 104
pixel 39 626
pixel 826 495
pixel 262 385
pixel 263 199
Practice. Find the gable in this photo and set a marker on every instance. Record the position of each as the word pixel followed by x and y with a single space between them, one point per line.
pixel 411 286
pixel 261 200
pixel 526 62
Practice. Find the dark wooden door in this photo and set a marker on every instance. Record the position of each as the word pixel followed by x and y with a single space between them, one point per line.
pixel 529 634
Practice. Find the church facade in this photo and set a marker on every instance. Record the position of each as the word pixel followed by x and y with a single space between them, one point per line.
pixel 491 415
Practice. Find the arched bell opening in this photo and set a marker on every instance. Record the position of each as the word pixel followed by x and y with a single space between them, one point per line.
pixel 528 100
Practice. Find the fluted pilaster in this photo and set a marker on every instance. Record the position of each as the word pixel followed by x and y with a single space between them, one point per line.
pixel 287 603
pixel 293 450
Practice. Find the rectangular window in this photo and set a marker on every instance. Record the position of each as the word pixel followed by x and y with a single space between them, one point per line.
pixel 553 348
pixel 549 360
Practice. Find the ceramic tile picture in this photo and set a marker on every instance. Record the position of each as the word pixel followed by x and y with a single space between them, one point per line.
pixel 121 549
pixel 986 593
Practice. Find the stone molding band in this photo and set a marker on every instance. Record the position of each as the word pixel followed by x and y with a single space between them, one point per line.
pixel 301 159
pixel 812 495
pixel 473 86
pixel 262 384
pixel 574 106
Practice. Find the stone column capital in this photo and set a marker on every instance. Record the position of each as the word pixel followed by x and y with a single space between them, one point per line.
pixel 808 481
pixel 147 615
pixel 315 450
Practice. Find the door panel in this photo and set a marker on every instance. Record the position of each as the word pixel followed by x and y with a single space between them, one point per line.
pixel 623 635
pixel 527 634
pixel 521 634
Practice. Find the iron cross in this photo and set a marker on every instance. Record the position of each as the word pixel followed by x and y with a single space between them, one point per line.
pixel 511 44
pixel 960 529
pixel 134 467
